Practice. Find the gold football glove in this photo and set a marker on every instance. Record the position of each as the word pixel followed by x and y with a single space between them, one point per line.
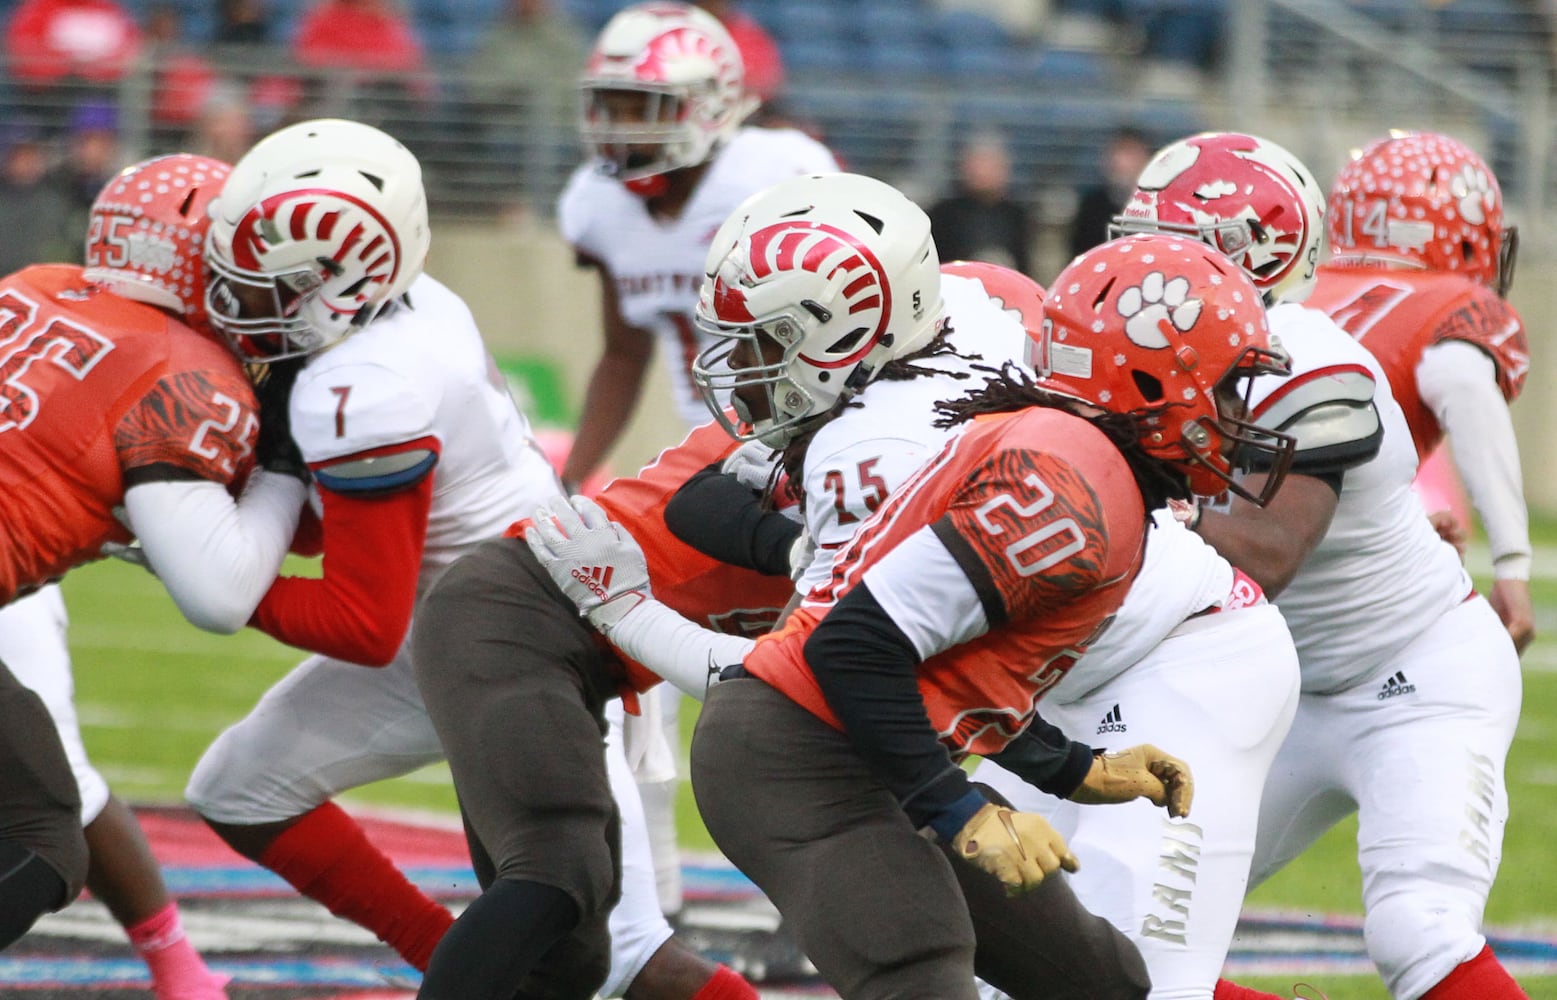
pixel 1020 849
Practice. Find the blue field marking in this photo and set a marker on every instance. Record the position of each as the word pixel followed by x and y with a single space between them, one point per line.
pixel 130 973
pixel 701 882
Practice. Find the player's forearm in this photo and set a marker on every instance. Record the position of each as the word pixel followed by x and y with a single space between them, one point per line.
pixel 1459 384
pixel 216 557
pixel 360 609
pixel 682 652
pixel 866 668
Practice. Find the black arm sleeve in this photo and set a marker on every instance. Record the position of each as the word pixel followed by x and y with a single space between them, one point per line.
pixel 723 519
pixel 866 669
pixel 1047 759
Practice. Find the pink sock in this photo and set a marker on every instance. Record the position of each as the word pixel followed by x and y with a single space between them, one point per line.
pixel 1232 991
pixel 725 984
pixel 177 970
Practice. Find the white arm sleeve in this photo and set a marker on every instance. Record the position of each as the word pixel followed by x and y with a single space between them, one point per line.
pixel 1458 382
pixel 683 652
pixel 216 557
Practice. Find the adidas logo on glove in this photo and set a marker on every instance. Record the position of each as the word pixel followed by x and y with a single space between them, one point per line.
pixel 597 579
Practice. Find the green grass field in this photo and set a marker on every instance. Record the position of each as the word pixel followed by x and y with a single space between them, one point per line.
pixel 153 691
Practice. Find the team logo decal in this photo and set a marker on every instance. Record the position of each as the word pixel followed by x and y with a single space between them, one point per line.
pixel 1156 301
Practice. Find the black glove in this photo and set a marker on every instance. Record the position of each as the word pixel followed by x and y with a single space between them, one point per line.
pixel 276 451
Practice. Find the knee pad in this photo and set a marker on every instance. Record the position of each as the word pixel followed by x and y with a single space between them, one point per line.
pixel 1419 934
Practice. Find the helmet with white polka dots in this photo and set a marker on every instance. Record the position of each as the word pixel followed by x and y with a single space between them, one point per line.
pixel 1424 201
pixel 1167 329
pixel 147 232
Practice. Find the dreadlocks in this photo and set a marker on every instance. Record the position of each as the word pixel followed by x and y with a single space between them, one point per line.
pixel 903 369
pixel 1011 388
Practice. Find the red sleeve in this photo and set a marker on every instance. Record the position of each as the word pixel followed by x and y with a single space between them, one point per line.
pixel 360 609
pixel 1485 320
pixel 203 421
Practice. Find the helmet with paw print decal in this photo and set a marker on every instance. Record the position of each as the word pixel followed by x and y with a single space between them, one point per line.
pixel 1424 201
pixel 1168 330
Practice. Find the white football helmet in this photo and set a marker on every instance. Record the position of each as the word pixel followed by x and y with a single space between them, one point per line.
pixel 812 285
pixel 320 226
pixel 1246 196
pixel 686 74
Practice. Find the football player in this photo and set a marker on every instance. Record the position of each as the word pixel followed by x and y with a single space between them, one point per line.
pixel 783 269
pixel 664 102
pixel 994 552
pixel 1431 308
pixel 416 453
pixel 1390 724
pixel 124 418
pixel 520 689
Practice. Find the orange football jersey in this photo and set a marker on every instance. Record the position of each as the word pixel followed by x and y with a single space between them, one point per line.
pixel 1397 315
pixel 714 594
pixel 1044 516
pixel 92 385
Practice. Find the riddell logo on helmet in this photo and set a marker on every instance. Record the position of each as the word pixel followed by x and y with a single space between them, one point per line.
pixel 596 578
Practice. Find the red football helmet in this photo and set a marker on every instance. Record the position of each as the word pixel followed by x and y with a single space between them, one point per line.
pixel 1165 328
pixel 1244 195
pixel 1014 291
pixel 663 87
pixel 147 233
pixel 1425 201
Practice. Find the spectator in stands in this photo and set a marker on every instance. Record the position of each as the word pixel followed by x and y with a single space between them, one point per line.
pixel 33 211
pixel 980 220
pixel 182 78
pixel 226 128
pixel 92 155
pixel 51 41
pixel 243 22
pixel 358 34
pixel 525 74
pixel 1124 156
pixel 759 52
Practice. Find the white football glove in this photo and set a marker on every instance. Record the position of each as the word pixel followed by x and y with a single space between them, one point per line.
pixel 752 465
pixel 592 558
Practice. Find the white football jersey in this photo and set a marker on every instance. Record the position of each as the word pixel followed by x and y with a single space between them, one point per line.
pixel 418 372
pixel 867 451
pixel 1180 576
pixel 657 264
pixel 1381 572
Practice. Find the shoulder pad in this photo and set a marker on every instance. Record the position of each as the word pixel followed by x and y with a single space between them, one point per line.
pixel 1331 413
pixel 377 474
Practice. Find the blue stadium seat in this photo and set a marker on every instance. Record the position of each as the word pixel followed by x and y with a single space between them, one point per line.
pixel 1068 70
pixel 806 21
pixel 888 22
pixel 909 58
pixel 828 53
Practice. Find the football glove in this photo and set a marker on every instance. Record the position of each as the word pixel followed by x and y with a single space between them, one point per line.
pixel 1139 772
pixel 752 465
pixel 1020 849
pixel 591 558
pixel 275 451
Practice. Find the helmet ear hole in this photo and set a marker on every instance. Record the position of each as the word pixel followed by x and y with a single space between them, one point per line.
pixel 1149 386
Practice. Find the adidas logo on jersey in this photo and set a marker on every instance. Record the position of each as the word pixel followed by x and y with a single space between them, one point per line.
pixel 1396 685
pixel 1112 723
pixel 596 578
